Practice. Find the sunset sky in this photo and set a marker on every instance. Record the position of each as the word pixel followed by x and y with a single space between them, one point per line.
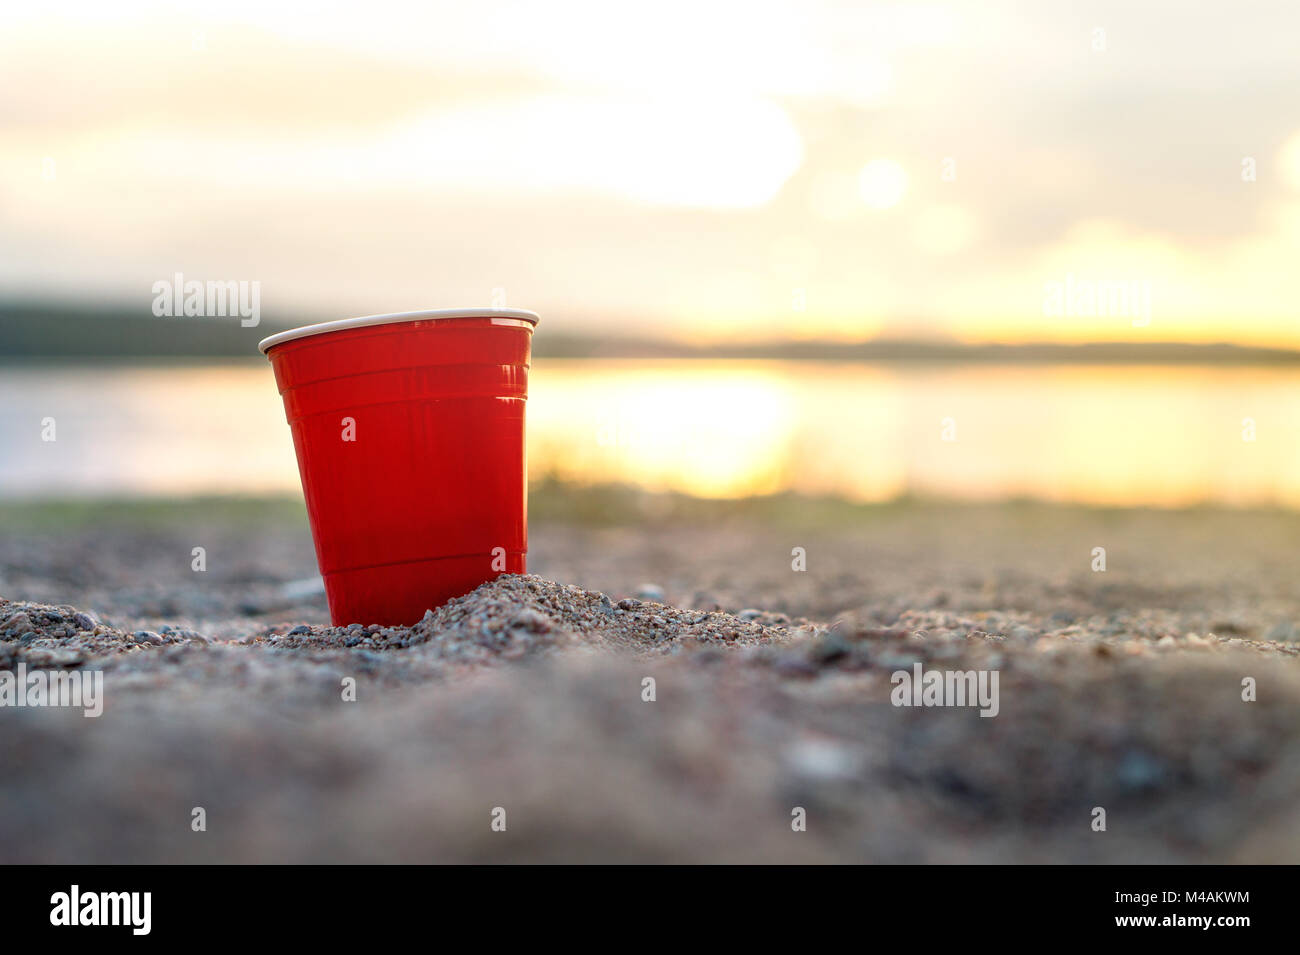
pixel 700 170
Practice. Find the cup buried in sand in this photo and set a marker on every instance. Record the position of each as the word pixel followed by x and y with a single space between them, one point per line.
pixel 409 432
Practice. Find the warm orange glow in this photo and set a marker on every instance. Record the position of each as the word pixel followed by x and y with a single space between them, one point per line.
pixel 1100 435
pixel 1162 436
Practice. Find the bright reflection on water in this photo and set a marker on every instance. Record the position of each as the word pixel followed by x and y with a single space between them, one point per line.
pixel 1115 435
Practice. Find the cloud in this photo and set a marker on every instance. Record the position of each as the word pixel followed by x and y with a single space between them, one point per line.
pixel 608 165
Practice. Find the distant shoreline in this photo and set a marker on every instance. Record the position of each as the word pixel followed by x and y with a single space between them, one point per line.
pixel 79 334
pixel 904 351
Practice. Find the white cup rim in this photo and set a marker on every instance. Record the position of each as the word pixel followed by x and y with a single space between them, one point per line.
pixel 391 318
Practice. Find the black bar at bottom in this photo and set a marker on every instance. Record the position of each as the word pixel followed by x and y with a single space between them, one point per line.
pixel 373 904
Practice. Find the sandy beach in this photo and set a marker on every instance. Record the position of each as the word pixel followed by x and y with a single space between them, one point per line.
pixel 224 689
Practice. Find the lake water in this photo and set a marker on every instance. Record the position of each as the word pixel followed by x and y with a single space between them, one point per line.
pixel 1114 435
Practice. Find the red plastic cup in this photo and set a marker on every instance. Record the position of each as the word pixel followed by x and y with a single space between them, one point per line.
pixel 409 431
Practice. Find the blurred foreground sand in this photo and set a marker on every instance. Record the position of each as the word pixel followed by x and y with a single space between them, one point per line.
pixel 1119 689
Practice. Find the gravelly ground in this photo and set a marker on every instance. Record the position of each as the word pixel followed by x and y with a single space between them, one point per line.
pixel 1120 689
